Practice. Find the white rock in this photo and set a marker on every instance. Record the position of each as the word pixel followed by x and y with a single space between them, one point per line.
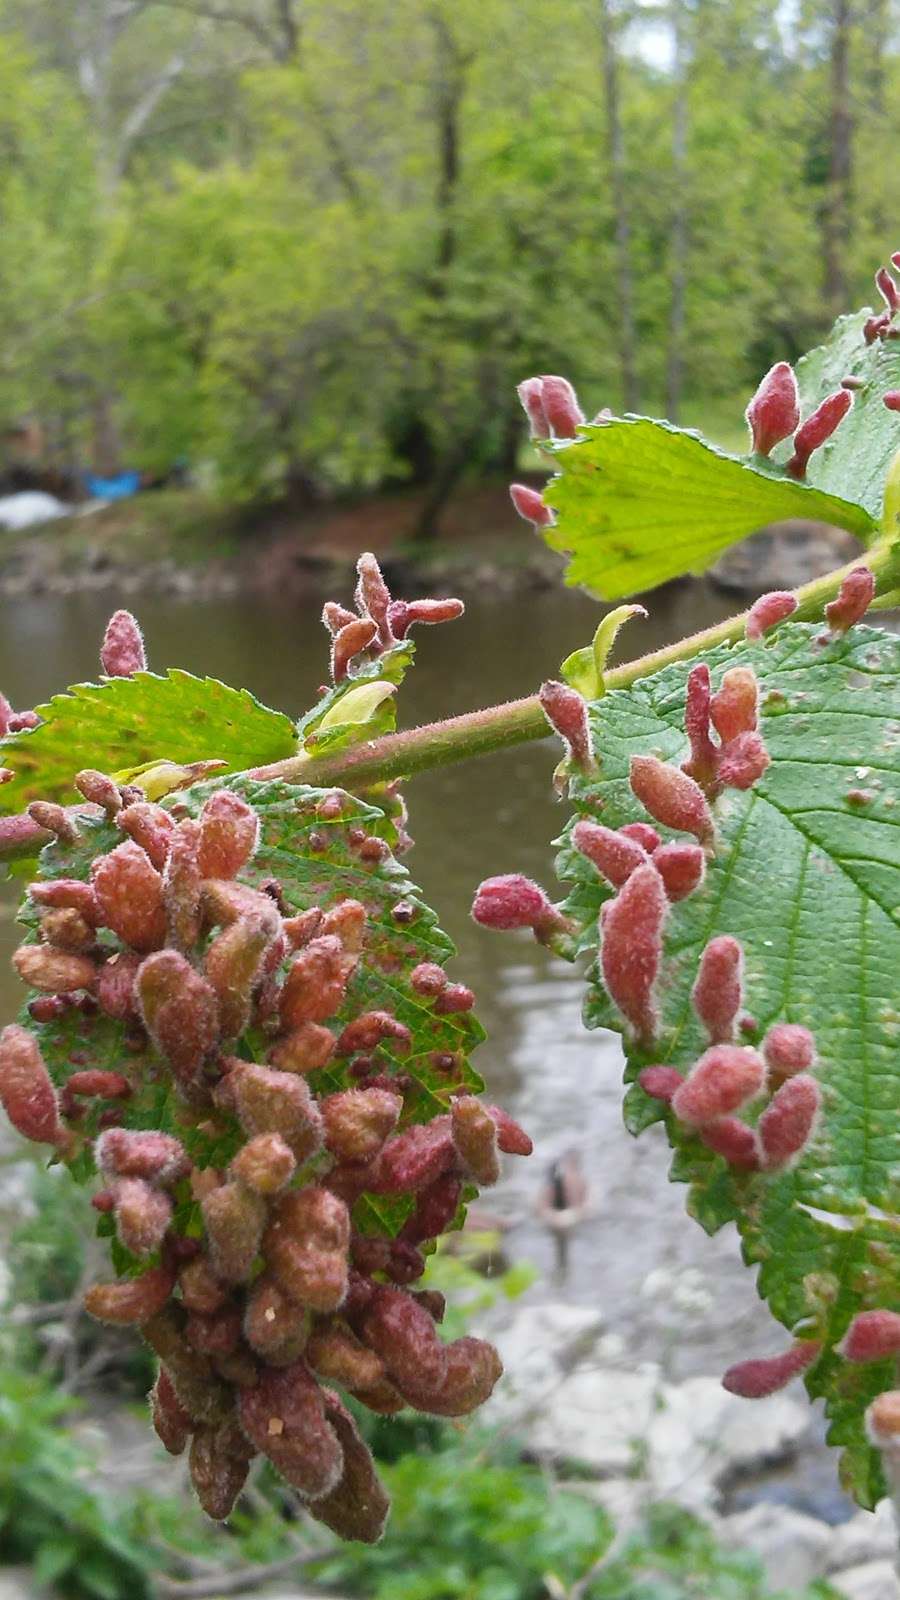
pixel 875 1580
pixel 702 1434
pixel 17 1583
pixel 867 1537
pixel 793 1548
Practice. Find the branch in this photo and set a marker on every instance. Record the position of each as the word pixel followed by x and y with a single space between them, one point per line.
pixel 246 1580
pixel 142 111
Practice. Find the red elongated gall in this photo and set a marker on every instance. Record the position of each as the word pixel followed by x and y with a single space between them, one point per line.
pixel 660 1082
pixel 274 1325
pixel 284 1417
pixel 174 1425
pixel 723 1080
pixel 567 713
pixel 66 929
pixel 531 394
pixel 786 1125
pixel 475 1137
pixel 182 880
pixel 54 971
pixel 369 1030
pixel 229 834
pixel 530 505
pixel 853 600
pixel 157 1157
pixel 734 709
pixel 788 1049
pixel 561 407
pixel 306 1246
pixel 131 1301
pixel 26 1089
pixel 129 892
pixel 402 1333
pixel 234 1218
pixel 643 834
pixel 266 1164
pixel 334 1352
pixel 305 1049
pixel 47 814
pixel 201 1290
pixel 429 612
pixel 743 762
pixel 268 1101
pixel 681 867
pixel 887 288
pixel 614 854
pixel 143 1214
pixel 718 991
pixel 511 1138
pixel 876 327
pixel 94 1083
pixel 765 1375
pixel 817 429
pixel 358 1505
pixel 413 1159
pixel 871 1336
pixel 774 411
pixel 671 797
pixel 180 1012
pixel 768 611
pixel 373 597
pixel 317 981
pixel 358 1121
pixel 335 617
pixel 99 790
pixel 122 651
pixel 704 755
pixel 436 1206
pixel 734 1141
pixel 116 992
pixel 883 1423
pixel 892 399
pixel 513 901
pixel 219 1463
pixel 68 892
pixel 358 635
pixel 473 1370
pixel 149 826
pixel 233 966
pixel 346 921
pixel 631 929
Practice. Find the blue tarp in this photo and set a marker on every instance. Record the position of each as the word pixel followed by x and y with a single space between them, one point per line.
pixel 117 488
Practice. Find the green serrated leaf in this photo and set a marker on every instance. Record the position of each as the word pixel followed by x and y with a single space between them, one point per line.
pixel 312 858
pixel 362 707
pixel 639 502
pixel 807 876
pixel 123 723
pixel 855 461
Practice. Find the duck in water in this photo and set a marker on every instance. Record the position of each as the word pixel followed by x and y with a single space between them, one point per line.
pixel 563 1202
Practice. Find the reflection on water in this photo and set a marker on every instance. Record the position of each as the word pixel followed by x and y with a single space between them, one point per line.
pixel 494 815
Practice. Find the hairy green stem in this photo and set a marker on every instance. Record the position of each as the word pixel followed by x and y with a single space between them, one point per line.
pixel 476 733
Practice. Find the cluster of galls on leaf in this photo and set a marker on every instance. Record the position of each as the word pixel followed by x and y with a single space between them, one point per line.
pixel 258 1289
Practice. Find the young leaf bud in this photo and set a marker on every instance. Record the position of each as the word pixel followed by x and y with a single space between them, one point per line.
pixel 774 411
pixel 567 713
pixel 129 892
pixel 180 1012
pixel 701 765
pixel 234 1218
pixel 671 797
pixel 156 1157
pixel 55 819
pixel 336 1353
pixel 872 1336
pixel 718 991
pixel 122 651
pixel 116 992
pixel 475 1137
pixel 788 1049
pixel 219 1468
pixel 131 1301
pixel 768 611
pixel 643 834
pixel 660 1082
pixel 304 1050
pixel 531 395
pixel 306 1246
pixel 631 948
pixel 172 1422
pixel 284 1417
pixel 266 1164
pixel 732 1139
pixel 229 834
pixel 852 602
pixel 26 1089
pixel 786 1125
pixel 181 886
pixel 53 971
pixel 99 790
pixel 530 505
pixel 722 1081
pixel 356 636
pixel 357 1507
pixel 232 965
pixel 412 1160
pixel 267 1101
pixel 743 761
pixel 513 901
pixel 561 407
pixel 765 1375
pixel 373 597
pixel 274 1325
pixel 735 708
pixel 369 1030
pixel 817 428
pixel 358 1121
pixel 402 1333
pixel 614 854
pixel 317 981
pixel 143 1215
pixel 149 826
pixel 681 867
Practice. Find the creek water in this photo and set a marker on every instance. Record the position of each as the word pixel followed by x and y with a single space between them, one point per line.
pixel 497 814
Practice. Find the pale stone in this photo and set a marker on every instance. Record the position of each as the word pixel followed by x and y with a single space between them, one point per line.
pixel 874 1580
pixel 867 1537
pixel 792 1547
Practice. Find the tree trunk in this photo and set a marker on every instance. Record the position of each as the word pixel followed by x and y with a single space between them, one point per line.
pixel 615 154
pixel 836 219
pixel 678 230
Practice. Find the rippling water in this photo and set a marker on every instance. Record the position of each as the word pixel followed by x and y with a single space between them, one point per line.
pixel 488 816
